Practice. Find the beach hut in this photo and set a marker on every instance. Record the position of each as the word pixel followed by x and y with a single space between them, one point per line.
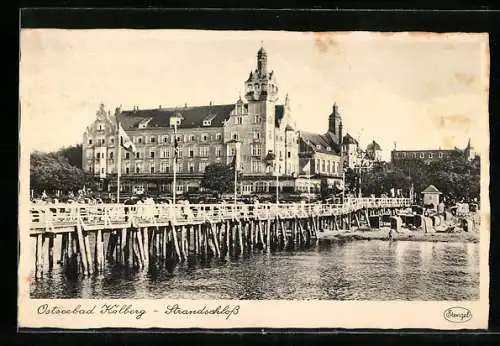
pixel 431 196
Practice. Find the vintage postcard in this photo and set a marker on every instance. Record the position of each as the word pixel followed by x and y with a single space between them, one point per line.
pixel 253 179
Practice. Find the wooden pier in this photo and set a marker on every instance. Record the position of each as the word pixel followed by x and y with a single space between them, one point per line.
pixel 91 236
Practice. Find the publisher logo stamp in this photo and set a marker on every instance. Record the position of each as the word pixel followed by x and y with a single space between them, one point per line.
pixel 457 314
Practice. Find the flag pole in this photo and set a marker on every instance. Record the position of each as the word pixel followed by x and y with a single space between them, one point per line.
pixel 118 163
pixel 309 183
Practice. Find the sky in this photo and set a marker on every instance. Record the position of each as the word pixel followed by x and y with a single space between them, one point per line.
pixel 412 90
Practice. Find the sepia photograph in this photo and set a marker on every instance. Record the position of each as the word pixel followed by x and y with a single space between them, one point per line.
pixel 253 167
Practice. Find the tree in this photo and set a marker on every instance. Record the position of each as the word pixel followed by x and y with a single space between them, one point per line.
pixel 454 176
pixel 51 172
pixel 73 154
pixel 218 177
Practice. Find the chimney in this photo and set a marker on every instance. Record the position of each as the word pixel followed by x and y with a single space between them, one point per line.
pixel 159 107
pixel 185 105
pixel 210 103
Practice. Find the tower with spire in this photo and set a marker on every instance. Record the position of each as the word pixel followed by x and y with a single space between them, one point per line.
pixel 261 92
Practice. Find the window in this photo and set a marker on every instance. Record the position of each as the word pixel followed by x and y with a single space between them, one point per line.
pixel 98 156
pixel 90 141
pixel 218 136
pixel 127 156
pixel 191 152
pixel 329 167
pixel 204 151
pixel 256 150
pixel 234 136
pixel 289 154
pixel 239 120
pixel 127 170
pixel 111 155
pixel 440 155
pixel 139 140
pixel 414 155
pixel 233 151
pixel 137 155
pixel 256 135
pixel 430 155
pixel 153 140
pixel 207 122
pixel 191 168
pixel 191 138
pixel 138 168
pixel 152 154
pixel 204 137
pixel 179 139
pixel 165 139
pixel 163 167
pixel 112 140
pixel 202 166
pixel 257 119
pixel 422 155
pixel 218 152
pixel 100 127
pixel 103 141
pixel 318 146
pixel 323 165
pixel 317 164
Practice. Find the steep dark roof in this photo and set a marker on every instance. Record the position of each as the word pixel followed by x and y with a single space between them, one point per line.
pixel 279 113
pixel 312 140
pixel 348 139
pixel 192 116
pixel 373 146
pixel 431 188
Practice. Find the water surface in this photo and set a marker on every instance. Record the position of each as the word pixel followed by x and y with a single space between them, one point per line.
pixel 356 270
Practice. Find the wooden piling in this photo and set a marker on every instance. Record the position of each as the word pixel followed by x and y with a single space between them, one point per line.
pixel 51 251
pixel 81 248
pixel 145 245
pixel 39 255
pixel 176 243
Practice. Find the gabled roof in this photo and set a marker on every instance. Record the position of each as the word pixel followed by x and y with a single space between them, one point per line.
pixel 192 116
pixel 313 140
pixel 348 139
pixel 431 189
pixel 373 146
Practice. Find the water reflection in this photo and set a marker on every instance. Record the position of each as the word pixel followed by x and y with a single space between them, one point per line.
pixel 374 270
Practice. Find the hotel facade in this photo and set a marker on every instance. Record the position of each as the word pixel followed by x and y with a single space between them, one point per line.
pixel 216 133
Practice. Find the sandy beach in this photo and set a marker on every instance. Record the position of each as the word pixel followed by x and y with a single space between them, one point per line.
pixel 406 235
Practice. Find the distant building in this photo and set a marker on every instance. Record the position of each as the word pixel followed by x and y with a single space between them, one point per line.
pixel 431 196
pixel 428 156
pixel 374 151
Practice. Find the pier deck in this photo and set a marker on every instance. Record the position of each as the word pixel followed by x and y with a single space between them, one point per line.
pixel 149 234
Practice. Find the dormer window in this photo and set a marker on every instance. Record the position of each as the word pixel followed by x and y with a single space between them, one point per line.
pixel 100 127
pixel 239 120
pixel 318 146
pixel 207 122
pixel 329 148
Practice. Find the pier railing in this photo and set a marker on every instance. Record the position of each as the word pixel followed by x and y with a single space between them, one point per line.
pixel 48 217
